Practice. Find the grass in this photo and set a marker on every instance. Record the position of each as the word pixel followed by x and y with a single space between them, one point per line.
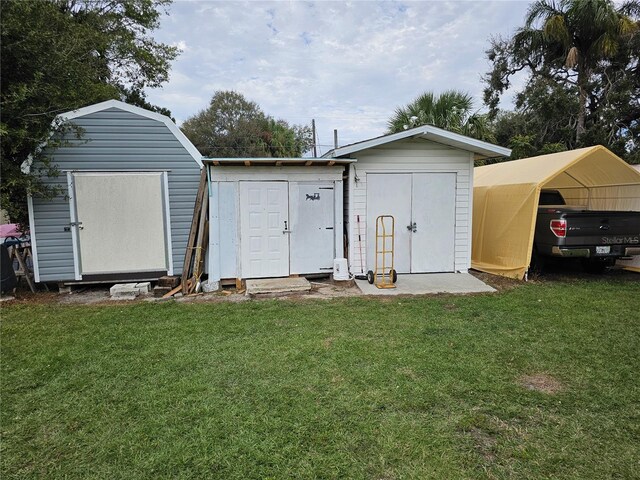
pixel 352 388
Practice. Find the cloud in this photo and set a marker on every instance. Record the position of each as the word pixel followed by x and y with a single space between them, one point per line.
pixel 181 44
pixel 346 64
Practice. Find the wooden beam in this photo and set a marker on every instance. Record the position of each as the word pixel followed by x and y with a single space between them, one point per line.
pixel 331 163
pixel 279 163
pixel 201 244
pixel 193 231
pixel 216 163
pixel 172 292
pixel 308 163
pixel 247 163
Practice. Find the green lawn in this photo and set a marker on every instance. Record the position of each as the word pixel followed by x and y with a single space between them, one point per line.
pixel 352 388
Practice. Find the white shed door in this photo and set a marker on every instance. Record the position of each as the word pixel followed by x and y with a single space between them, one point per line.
pixel 122 222
pixel 312 223
pixel 433 210
pixel 426 199
pixel 264 220
pixel 390 194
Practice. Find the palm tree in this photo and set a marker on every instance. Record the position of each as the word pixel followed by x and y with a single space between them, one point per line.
pixel 451 110
pixel 574 37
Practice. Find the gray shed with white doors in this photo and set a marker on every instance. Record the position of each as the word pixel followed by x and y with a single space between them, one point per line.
pixel 274 217
pixel 128 190
pixel 424 178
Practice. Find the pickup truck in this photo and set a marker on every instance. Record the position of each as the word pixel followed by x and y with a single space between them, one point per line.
pixel 599 238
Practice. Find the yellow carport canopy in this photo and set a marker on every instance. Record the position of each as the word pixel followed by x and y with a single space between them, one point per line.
pixel 505 200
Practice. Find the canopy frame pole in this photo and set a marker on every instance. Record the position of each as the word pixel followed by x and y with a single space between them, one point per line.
pixel 600 186
pixel 583 186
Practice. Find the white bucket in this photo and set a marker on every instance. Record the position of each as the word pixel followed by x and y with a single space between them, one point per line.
pixel 340 269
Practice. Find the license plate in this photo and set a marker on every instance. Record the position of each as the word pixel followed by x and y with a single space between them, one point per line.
pixel 603 250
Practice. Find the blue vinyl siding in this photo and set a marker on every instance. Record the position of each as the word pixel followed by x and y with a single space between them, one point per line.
pixel 114 139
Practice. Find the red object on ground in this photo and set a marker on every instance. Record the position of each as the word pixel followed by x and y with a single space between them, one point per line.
pixel 10 230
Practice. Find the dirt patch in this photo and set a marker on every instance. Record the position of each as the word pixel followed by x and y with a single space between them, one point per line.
pixel 484 442
pixel 541 382
pixel 557 271
pixel 407 372
pixel 327 342
pixel 496 281
pixel 99 295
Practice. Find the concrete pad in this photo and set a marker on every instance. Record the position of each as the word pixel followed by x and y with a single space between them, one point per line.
pixel 277 285
pixel 420 284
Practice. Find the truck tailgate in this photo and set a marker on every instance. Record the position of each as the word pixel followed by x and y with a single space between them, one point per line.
pixel 602 228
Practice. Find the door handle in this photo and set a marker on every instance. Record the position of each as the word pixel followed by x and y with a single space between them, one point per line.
pixel 74 224
pixel 286 227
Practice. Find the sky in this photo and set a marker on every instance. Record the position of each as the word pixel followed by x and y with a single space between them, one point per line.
pixel 348 65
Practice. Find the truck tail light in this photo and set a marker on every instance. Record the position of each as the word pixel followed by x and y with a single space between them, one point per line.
pixel 559 228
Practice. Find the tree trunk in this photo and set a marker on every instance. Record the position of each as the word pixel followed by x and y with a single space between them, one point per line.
pixel 583 77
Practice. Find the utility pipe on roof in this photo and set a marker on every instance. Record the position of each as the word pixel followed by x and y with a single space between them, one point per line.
pixel 208 167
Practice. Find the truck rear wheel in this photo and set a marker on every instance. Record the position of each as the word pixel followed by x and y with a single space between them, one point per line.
pixel 536 267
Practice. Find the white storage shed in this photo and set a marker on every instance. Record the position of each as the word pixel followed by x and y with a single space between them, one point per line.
pixel 274 217
pixel 424 178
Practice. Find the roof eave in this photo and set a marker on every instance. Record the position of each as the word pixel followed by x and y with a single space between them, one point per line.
pixel 428 132
pixel 276 161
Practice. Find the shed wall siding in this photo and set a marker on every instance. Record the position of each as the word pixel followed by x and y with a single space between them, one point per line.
pixel 410 156
pixel 114 140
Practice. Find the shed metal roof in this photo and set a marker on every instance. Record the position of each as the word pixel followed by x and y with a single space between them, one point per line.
pixel 278 162
pixel 98 107
pixel 428 132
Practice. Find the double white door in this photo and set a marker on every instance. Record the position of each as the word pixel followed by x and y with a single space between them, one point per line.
pixel 423 205
pixel 286 228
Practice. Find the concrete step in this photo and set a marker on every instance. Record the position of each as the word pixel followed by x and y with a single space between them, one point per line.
pixel 127 289
pixel 277 285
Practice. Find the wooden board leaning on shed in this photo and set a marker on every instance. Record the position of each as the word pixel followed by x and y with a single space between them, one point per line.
pixel 197 242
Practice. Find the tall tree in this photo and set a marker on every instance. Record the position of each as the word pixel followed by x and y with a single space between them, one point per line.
pixel 59 55
pixel 233 126
pixel 451 110
pixel 586 48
